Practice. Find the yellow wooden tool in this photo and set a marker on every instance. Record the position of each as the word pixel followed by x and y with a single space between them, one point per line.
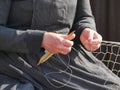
pixel 48 54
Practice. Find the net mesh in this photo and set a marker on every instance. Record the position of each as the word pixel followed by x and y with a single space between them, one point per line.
pixel 109 54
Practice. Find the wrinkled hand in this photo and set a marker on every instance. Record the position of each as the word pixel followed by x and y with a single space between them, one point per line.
pixel 90 39
pixel 57 43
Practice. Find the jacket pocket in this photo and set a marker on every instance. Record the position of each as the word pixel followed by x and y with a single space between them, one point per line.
pixel 58 12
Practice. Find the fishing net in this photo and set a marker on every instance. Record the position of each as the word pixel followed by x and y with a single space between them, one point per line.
pixel 109 54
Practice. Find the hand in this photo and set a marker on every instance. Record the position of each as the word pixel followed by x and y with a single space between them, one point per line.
pixel 90 39
pixel 57 43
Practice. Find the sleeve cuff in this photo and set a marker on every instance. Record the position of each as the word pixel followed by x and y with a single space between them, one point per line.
pixel 34 40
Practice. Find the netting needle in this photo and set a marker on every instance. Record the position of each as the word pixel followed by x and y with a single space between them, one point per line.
pixel 46 56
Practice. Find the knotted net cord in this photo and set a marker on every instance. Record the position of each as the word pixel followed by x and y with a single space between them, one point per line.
pixel 60 72
pixel 109 54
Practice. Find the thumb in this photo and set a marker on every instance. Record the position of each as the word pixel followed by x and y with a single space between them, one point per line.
pixel 90 36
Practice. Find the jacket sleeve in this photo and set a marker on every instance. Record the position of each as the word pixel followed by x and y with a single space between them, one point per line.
pixel 18 41
pixel 83 18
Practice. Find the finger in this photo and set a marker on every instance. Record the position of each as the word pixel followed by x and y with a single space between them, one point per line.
pixel 68 43
pixel 95 42
pixel 94 47
pixel 97 39
pixel 90 36
pixel 65 50
pixel 98 36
